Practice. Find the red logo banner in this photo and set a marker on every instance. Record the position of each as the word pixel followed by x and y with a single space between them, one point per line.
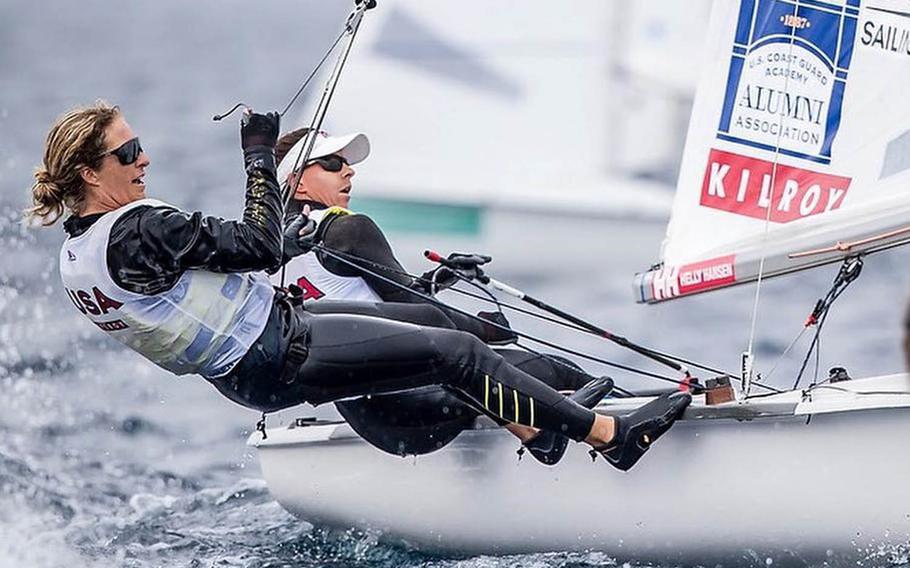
pixel 674 281
pixel 748 186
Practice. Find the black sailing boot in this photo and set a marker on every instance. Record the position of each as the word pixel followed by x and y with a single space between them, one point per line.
pixel 636 431
pixel 548 447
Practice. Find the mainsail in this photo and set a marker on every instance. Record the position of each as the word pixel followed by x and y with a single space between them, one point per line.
pixel 798 150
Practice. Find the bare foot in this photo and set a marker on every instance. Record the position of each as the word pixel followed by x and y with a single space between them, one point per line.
pixel 602 431
pixel 523 433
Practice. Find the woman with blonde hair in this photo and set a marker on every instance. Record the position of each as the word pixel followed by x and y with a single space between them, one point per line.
pixel 187 292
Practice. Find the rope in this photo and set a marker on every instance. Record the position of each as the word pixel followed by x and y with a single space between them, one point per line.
pixel 490 298
pixel 761 264
pixel 306 149
pixel 429 299
pixel 351 26
pixel 313 73
pixel 848 273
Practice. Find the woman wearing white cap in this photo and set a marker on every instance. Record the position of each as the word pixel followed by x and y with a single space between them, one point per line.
pixel 322 187
pixel 186 291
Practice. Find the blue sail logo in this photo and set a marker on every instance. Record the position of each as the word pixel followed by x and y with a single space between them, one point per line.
pixel 788 73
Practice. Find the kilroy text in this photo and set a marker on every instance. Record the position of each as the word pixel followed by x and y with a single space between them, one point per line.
pixel 750 187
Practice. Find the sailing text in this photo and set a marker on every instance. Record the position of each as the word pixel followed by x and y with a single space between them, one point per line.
pixel 886 37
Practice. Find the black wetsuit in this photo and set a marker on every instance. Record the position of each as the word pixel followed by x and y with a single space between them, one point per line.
pixel 558 372
pixel 360 240
pixel 303 357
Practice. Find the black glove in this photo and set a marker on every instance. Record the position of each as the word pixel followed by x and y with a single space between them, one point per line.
pixel 495 334
pixel 259 130
pixel 299 236
pixel 466 265
pixel 457 266
pixel 468 261
pixel 437 279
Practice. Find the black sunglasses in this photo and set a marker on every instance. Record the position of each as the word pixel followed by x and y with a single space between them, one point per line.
pixel 127 153
pixel 332 163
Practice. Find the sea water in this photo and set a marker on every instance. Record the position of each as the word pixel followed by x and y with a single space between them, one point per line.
pixel 107 461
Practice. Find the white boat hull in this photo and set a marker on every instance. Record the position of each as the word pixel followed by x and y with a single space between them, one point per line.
pixel 773 486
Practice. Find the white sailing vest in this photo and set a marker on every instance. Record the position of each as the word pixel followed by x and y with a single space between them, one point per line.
pixel 317 283
pixel 204 324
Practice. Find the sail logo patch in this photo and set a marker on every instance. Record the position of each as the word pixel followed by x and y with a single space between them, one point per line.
pixel 310 291
pixel 787 77
pixel 750 186
pixel 887 31
pixel 674 281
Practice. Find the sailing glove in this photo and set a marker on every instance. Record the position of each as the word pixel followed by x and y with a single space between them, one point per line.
pixel 440 278
pixel 467 266
pixel 259 130
pixel 299 236
pixel 468 260
pixel 458 266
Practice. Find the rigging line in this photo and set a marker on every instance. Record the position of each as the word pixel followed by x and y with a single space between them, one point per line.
pixel 352 25
pixel 586 331
pixel 520 309
pixel 552 359
pixel 313 73
pixel 815 338
pixel 822 304
pixel 837 289
pixel 818 359
pixel 764 243
pixel 786 351
pixel 487 297
pixel 438 303
pixel 530 313
pixel 766 394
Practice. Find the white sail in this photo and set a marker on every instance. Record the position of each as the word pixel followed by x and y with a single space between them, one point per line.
pixel 798 148
pixel 512 103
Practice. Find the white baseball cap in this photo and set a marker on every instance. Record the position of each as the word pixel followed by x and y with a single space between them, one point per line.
pixel 352 147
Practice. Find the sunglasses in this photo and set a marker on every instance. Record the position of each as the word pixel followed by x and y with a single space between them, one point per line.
pixel 127 153
pixel 332 163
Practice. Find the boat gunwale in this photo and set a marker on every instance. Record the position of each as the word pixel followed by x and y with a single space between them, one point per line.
pixel 801 404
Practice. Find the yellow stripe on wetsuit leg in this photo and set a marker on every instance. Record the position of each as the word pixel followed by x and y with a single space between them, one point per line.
pixel 486 392
pixel 515 393
pixel 501 413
